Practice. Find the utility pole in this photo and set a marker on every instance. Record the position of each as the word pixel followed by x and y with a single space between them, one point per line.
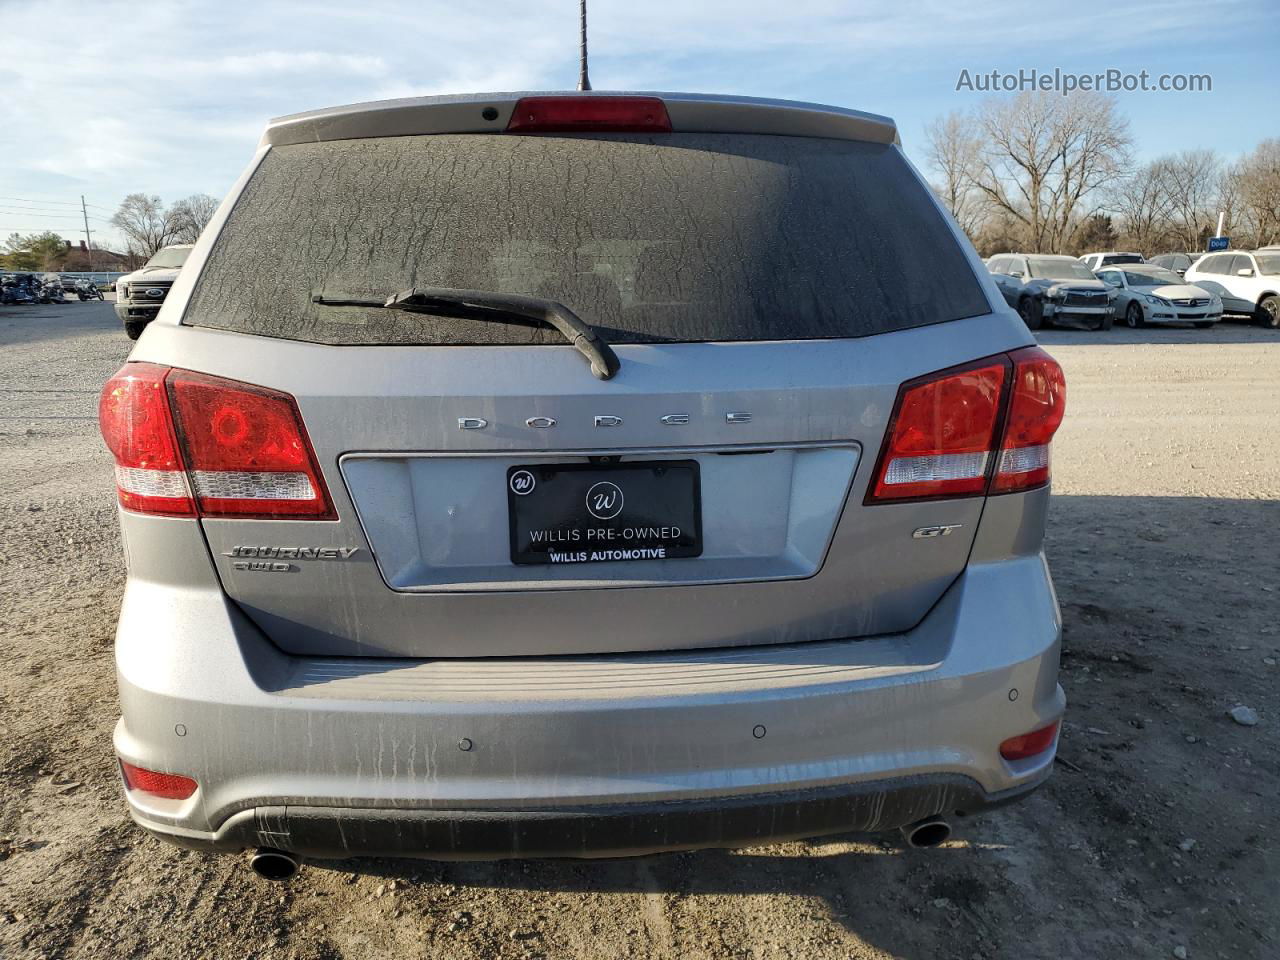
pixel 583 82
pixel 88 239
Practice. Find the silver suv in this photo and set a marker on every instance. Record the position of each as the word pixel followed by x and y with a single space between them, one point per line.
pixel 581 475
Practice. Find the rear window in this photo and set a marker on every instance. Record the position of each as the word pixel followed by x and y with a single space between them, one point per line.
pixel 675 237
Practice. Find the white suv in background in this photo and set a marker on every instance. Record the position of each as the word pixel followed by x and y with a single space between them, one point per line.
pixel 1246 282
pixel 1096 261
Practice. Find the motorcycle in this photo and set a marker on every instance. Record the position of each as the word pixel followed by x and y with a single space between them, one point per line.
pixel 20 289
pixel 88 290
pixel 51 290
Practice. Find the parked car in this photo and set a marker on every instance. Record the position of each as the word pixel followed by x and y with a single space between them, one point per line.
pixel 139 295
pixel 1146 294
pixel 511 510
pixel 1096 261
pixel 1047 288
pixel 1248 283
pixel 1179 263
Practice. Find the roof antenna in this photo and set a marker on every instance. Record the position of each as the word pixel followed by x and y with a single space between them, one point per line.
pixel 584 83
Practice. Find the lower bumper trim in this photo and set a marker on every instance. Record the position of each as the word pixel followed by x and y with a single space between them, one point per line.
pixel 601 831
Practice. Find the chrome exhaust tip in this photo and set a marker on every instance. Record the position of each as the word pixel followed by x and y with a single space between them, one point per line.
pixel 274 864
pixel 928 832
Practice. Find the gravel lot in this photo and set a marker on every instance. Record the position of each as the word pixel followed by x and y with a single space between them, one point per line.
pixel 1149 839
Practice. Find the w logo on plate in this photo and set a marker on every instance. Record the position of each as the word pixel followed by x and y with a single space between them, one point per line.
pixel 604 500
pixel 522 483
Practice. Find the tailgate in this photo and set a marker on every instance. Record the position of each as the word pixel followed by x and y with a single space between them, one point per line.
pixel 419 562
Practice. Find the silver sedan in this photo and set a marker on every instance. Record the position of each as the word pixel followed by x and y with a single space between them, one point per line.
pixel 1149 294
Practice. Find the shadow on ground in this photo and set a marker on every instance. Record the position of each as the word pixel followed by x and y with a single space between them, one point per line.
pixel 1228 331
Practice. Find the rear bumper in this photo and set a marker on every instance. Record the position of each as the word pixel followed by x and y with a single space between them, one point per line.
pixel 601 830
pixel 579 755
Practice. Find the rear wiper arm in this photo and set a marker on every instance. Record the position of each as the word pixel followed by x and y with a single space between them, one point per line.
pixel 499 308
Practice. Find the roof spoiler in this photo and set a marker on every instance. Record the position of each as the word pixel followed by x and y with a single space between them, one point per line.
pixel 491 113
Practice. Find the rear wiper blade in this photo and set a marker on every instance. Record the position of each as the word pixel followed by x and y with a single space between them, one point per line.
pixel 499 308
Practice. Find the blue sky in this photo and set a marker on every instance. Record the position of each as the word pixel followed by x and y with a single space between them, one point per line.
pixel 170 97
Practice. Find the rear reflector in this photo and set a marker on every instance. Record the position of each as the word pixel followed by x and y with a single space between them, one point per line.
pixel 942 434
pixel 1030 744
pixel 187 444
pixel 170 786
pixel 972 430
pixel 588 114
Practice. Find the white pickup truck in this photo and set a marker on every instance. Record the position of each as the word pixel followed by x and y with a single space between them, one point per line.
pixel 140 294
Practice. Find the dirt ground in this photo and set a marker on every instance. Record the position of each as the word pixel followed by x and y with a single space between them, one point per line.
pixel 1154 837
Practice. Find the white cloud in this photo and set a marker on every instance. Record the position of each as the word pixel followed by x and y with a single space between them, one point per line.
pixel 285 62
pixel 172 96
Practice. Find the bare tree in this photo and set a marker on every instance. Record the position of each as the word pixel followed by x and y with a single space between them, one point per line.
pixel 954 154
pixel 1227 199
pixel 190 216
pixel 145 223
pixel 999 233
pixel 1096 233
pixel 1258 182
pixel 1190 183
pixel 1039 172
pixel 1143 206
pixel 1046 156
pixel 1093 142
pixel 134 258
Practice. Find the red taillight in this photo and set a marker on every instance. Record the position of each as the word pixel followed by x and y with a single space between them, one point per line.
pixel 942 434
pixel 1029 744
pixel 246 450
pixel 187 443
pixel 967 431
pixel 170 786
pixel 133 413
pixel 587 114
pixel 1037 402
